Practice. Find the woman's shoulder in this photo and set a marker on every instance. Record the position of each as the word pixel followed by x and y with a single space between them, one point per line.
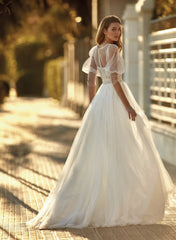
pixel 112 50
pixel 91 51
pixel 108 45
pixel 112 47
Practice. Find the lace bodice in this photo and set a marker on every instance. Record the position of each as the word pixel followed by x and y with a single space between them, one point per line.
pixel 105 62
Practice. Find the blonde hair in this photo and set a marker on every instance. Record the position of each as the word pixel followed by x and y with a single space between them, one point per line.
pixel 104 24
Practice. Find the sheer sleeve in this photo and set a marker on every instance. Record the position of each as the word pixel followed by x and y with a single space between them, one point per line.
pixel 115 64
pixel 91 79
pixel 90 65
pixel 90 68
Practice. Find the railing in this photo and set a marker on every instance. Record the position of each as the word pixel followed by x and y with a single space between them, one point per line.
pixel 163 74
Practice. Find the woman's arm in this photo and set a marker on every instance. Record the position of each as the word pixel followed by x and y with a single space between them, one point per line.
pixel 91 80
pixel 131 112
pixel 91 85
pixel 114 69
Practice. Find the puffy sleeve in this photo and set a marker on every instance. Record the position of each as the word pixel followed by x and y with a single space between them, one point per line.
pixel 90 65
pixel 90 68
pixel 115 63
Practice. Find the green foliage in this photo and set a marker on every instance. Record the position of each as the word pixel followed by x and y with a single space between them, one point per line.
pixel 4 86
pixel 32 32
pixel 3 66
pixel 2 61
pixel 28 54
pixel 58 26
pixel 31 82
pixel 53 77
pixel 54 19
pixel 11 65
pixel 4 90
pixel 5 6
pixel 30 64
pixel 164 8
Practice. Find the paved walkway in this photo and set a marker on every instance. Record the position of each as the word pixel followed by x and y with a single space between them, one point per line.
pixel 35 138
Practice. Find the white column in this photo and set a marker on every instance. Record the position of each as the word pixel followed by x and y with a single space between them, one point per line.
pixel 65 76
pixel 144 9
pixel 130 18
pixel 94 17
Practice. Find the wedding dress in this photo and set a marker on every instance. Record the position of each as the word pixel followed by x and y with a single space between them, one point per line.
pixel 113 174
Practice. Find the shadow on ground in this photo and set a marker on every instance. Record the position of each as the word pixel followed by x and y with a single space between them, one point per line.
pixel 10 198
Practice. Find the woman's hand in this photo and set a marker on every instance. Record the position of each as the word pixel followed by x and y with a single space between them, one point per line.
pixel 131 113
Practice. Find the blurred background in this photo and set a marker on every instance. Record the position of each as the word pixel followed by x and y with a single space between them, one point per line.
pixel 43 44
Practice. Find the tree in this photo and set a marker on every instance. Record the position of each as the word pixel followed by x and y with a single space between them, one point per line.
pixel 164 8
pixel 50 16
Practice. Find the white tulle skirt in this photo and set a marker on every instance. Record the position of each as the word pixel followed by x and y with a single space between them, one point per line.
pixel 113 174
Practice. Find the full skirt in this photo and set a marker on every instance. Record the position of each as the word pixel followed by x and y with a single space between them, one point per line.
pixel 113 174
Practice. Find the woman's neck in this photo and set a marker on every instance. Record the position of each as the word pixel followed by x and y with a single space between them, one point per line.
pixel 107 41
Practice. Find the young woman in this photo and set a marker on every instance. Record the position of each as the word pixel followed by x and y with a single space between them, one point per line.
pixel 113 174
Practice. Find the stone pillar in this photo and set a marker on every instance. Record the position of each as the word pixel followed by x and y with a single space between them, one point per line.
pixel 144 9
pixel 94 17
pixel 130 18
pixel 65 76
